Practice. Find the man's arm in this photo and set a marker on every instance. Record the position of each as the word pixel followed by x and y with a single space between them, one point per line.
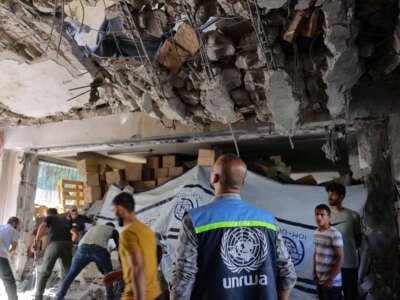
pixel 12 249
pixel 39 234
pixel 338 251
pixel 184 268
pixel 86 219
pixel 115 237
pixel 286 272
pixel 138 275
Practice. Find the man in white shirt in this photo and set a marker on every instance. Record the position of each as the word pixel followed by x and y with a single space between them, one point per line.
pixel 8 244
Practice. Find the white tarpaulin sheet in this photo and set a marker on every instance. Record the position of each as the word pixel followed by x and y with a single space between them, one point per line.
pixel 293 205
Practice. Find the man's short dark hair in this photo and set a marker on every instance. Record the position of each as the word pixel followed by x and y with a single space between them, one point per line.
pixel 13 220
pixel 336 187
pixel 52 211
pixel 125 200
pixel 323 207
pixel 230 174
pixel 110 224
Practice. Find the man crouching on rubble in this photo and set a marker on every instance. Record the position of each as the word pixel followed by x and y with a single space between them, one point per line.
pixel 137 252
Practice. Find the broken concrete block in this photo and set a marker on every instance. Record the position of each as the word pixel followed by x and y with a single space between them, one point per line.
pixel 248 61
pixel 344 68
pixel 232 78
pixel 219 46
pixel 206 10
pixel 216 100
pixel 240 97
pixel 155 22
pixel 302 4
pixel 170 105
pixel 227 6
pixel 190 98
pixel 249 42
pixel 271 4
pixel 253 80
pixel 285 108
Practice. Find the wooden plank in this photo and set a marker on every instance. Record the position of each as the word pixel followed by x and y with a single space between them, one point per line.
pixel 310 27
pixel 67 198
pixel 68 190
pixel 66 181
pixel 294 27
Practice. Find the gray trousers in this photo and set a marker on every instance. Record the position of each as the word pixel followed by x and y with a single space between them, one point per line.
pixel 6 275
pixel 54 250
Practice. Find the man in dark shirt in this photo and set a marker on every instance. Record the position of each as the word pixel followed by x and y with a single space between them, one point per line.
pixel 59 245
pixel 78 221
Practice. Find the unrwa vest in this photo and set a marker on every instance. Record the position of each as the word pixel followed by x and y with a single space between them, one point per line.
pixel 237 251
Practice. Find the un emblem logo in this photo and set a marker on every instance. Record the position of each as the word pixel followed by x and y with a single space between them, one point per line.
pixel 243 248
pixel 182 207
pixel 296 250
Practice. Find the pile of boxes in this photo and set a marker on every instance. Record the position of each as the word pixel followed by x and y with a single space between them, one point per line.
pixel 157 170
pixel 89 170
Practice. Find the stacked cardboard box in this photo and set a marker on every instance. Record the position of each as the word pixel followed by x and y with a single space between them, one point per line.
pixel 170 161
pixel 116 177
pixel 133 172
pixel 175 171
pixel 87 166
pixel 89 170
pixel 141 177
pixel 152 162
pixel 206 157
pixel 161 180
pixel 92 193
pixel 141 186
pixel 91 179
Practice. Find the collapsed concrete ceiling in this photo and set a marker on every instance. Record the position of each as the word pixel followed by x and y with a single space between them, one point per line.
pixel 285 62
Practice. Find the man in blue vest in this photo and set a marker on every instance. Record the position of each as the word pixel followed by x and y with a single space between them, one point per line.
pixel 230 249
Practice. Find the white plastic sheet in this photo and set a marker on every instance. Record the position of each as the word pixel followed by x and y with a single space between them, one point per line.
pixel 293 205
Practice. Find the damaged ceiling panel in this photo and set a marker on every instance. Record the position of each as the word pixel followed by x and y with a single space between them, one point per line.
pixel 194 61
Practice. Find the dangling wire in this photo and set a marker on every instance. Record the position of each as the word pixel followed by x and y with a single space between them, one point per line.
pixel 291 142
pixel 62 27
pixel 234 140
pixel 52 25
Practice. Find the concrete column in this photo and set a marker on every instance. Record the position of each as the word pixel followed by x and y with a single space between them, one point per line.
pixel 25 209
pixel 10 177
pixel 379 221
pixel 394 133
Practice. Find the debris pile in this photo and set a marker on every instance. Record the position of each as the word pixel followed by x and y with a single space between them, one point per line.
pixel 198 62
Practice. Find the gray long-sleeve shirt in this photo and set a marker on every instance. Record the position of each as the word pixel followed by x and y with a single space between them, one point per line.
pixel 185 267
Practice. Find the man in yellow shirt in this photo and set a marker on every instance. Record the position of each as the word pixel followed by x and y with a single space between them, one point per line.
pixel 137 252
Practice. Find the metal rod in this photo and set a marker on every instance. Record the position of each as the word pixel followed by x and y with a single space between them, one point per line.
pixel 70 99
pixel 52 25
pixel 234 140
pixel 62 27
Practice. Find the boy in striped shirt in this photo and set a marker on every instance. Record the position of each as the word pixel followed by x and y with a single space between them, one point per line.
pixel 328 256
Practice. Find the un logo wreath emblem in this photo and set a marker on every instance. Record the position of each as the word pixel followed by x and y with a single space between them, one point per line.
pixel 243 248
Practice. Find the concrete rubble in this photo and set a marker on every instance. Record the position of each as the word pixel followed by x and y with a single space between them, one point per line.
pixel 320 59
